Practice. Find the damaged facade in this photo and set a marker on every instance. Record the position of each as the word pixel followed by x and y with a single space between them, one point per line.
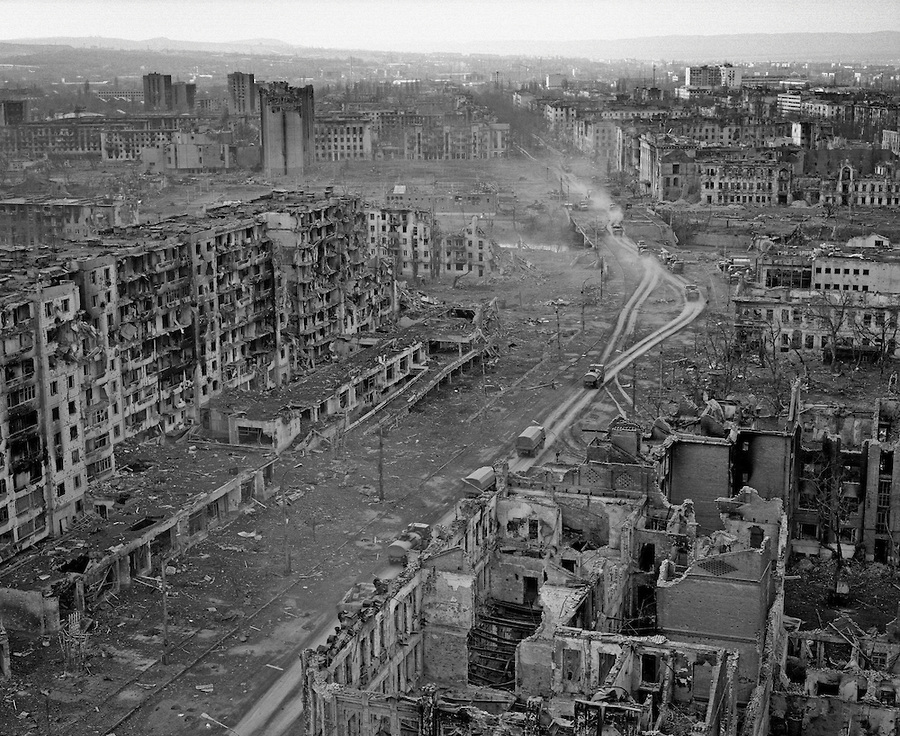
pixel 164 499
pixel 286 130
pixel 134 333
pixel 838 300
pixel 558 604
pixel 33 221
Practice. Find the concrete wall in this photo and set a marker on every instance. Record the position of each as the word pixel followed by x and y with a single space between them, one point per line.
pixel 448 614
pixel 29 610
pixel 507 581
pixel 702 472
pixel 771 465
pixel 600 520
pixel 515 517
pixel 720 607
pixel 534 667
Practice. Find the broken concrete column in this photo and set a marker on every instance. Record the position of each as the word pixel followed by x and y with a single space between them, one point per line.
pixel 5 668
pixel 501 473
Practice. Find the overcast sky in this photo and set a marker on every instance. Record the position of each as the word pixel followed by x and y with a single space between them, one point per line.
pixel 424 25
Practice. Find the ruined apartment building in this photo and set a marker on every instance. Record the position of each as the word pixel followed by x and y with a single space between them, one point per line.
pixel 158 94
pixel 243 94
pixel 287 129
pixel 405 235
pixel 840 680
pixel 168 498
pixel 848 461
pixel 343 138
pixel 84 137
pixel 834 299
pixel 132 334
pixel 559 606
pixel 46 221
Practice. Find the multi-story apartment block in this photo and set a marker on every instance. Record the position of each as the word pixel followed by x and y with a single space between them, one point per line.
pixel 560 117
pixel 709 77
pixel 84 137
pixel 33 221
pixel 158 94
pixel 329 283
pixel 127 144
pixel 13 112
pixel 837 300
pixel 851 188
pixel 287 129
pixel 183 96
pixel 343 137
pixel 187 152
pixel 42 479
pixel 596 138
pixel 467 251
pixel 243 94
pixel 722 132
pixel 131 334
pixel 789 103
pixel 120 95
pixel 667 166
pixel 404 236
pixel 489 140
pixel 848 486
pixel 757 182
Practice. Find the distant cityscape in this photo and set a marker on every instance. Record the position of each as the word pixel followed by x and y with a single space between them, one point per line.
pixel 627 329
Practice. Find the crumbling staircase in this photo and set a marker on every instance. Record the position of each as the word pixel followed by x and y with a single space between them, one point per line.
pixel 499 627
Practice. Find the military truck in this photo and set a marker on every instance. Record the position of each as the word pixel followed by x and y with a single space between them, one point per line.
pixel 530 441
pixel 479 481
pixel 595 376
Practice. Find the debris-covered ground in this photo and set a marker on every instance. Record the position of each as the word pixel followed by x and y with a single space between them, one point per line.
pixel 872 602
pixel 236 618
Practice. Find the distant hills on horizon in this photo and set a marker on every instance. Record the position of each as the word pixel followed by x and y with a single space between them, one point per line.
pixel 876 47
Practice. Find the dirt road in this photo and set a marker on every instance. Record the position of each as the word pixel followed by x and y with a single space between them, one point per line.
pixel 243 632
pixel 280 706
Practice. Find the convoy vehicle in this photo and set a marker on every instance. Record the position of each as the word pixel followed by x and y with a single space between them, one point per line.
pixel 530 441
pixel 595 376
pixel 415 537
pixel 480 481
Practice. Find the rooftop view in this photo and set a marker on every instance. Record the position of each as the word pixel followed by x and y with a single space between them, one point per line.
pixel 434 369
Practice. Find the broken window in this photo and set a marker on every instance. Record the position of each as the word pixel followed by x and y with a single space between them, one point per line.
pixel 649 668
pixel 572 665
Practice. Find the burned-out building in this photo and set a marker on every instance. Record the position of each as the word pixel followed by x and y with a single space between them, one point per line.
pixel 133 332
pixel 837 300
pixel 34 221
pixel 163 499
pixel 848 499
pixel 553 606
pixel 287 137
pixel 839 679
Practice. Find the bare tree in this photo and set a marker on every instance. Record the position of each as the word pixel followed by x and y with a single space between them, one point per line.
pixel 773 349
pixel 723 352
pixel 877 330
pixel 833 312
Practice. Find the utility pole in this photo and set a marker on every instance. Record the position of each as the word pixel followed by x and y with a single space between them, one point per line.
pixel 165 608
pixel 284 515
pixel 380 463
pixel 634 391
pixel 558 341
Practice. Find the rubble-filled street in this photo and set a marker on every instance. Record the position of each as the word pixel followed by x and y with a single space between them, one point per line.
pixel 473 386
